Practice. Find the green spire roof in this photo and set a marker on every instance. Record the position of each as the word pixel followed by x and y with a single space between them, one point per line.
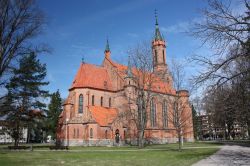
pixel 129 71
pixel 157 30
pixel 107 49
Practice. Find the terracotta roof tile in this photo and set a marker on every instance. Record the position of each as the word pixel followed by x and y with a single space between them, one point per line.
pixel 92 76
pixel 158 84
pixel 102 115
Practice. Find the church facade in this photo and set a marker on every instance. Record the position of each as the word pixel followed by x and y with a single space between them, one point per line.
pixel 99 95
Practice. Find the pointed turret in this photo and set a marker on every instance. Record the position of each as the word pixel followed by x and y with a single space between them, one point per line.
pixel 129 85
pixel 129 70
pixel 107 50
pixel 158 35
pixel 159 52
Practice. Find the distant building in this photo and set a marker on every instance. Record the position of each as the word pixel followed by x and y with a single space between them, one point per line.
pixel 100 93
pixel 26 135
pixel 207 130
pixel 6 138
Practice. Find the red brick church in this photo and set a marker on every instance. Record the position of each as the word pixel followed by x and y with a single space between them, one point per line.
pixel 98 95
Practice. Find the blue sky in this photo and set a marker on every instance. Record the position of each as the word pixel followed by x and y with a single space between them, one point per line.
pixel 79 28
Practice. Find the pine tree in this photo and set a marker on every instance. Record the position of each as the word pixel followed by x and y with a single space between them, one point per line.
pixel 55 108
pixel 25 93
pixel 195 122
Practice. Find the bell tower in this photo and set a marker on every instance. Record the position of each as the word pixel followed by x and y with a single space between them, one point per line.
pixel 158 50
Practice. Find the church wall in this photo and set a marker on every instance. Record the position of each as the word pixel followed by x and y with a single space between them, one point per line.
pixel 117 81
pixel 159 51
pixel 120 101
pixel 188 128
pixel 87 98
pixel 157 134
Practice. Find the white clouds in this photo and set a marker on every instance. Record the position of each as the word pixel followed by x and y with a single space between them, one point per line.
pixel 181 27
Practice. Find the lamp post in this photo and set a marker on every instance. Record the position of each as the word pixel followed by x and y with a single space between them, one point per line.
pixel 67 135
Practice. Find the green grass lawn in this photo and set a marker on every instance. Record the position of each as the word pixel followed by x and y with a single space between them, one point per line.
pixel 153 155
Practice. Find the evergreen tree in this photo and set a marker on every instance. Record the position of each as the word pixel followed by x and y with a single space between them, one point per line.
pixel 25 94
pixel 55 108
pixel 195 122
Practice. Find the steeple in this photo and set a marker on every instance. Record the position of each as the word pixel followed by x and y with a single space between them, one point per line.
pixel 157 30
pixel 129 71
pixel 107 51
pixel 158 50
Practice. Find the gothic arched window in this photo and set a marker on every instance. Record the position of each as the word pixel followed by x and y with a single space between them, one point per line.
pixel 125 135
pixel 106 134
pixel 74 134
pixel 175 114
pixel 93 100
pixel 91 133
pixel 101 101
pixel 110 102
pixel 163 56
pixel 80 106
pixel 153 113
pixel 165 114
pixel 155 56
pixel 77 133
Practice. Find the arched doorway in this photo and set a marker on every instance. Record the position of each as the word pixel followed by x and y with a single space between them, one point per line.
pixel 117 136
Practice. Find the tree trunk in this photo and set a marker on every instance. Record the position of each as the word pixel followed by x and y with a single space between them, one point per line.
pixel 16 134
pixel 179 138
pixel 248 129
pixel 141 138
pixel 16 142
pixel 28 134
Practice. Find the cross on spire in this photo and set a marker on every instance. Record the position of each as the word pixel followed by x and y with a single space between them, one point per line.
pixel 156 17
pixel 157 30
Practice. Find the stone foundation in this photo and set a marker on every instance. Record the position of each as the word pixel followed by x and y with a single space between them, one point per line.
pixel 93 142
pixel 154 141
pixel 110 142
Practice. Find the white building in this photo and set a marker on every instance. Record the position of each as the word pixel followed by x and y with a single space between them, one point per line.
pixel 6 138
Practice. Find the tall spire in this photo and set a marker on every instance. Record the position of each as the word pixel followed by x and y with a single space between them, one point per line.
pixel 157 30
pixel 156 18
pixel 107 49
pixel 129 71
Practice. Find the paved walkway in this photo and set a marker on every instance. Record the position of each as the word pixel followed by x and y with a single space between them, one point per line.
pixel 228 156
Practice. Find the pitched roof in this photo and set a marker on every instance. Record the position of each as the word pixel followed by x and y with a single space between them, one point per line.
pixel 102 115
pixel 92 76
pixel 157 84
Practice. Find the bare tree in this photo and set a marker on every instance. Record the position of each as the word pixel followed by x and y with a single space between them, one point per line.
pixel 225 31
pixel 181 116
pixel 227 72
pixel 142 79
pixel 20 22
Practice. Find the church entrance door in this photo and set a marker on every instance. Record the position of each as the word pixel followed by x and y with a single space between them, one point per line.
pixel 117 136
